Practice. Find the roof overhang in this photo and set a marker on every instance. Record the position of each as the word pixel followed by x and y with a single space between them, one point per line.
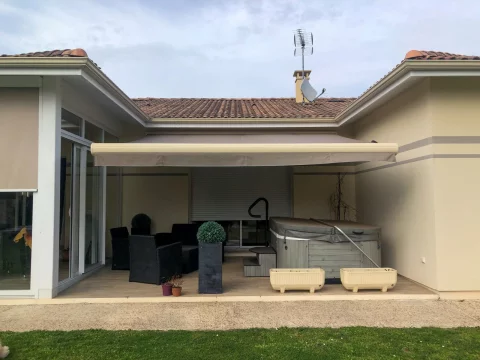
pixel 73 67
pixel 249 123
pixel 401 78
pixel 240 150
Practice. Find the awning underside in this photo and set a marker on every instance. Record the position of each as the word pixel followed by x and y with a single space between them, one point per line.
pixel 241 150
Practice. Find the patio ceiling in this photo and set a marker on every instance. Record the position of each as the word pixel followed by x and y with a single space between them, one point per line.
pixel 241 150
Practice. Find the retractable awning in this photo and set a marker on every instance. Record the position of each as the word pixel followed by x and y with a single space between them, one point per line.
pixel 241 150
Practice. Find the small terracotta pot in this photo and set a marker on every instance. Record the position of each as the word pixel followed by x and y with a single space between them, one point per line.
pixel 167 289
pixel 176 291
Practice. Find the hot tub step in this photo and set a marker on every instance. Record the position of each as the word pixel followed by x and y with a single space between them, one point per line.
pixel 250 261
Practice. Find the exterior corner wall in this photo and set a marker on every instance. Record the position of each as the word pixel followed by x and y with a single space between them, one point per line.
pixel 400 197
pixel 161 193
pixel 456 113
pixel 402 120
pixel 457 212
pixel 46 202
pixel 455 106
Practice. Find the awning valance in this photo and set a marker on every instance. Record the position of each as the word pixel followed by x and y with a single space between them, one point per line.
pixel 241 150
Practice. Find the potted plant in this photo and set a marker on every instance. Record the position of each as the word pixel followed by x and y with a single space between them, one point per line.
pixel 210 236
pixel 167 287
pixel 177 283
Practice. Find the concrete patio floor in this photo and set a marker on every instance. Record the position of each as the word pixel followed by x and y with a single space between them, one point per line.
pixel 113 286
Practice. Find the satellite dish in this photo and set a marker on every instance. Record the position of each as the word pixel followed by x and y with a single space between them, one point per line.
pixel 309 92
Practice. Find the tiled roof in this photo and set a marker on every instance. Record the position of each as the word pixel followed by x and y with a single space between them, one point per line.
pixel 223 108
pixel 241 108
pixel 424 55
pixel 52 53
pixel 436 55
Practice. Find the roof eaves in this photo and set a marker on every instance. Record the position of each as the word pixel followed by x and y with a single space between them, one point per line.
pixel 244 120
pixel 96 73
pixel 403 69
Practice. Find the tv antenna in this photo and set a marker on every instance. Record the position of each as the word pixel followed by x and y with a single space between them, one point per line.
pixel 303 42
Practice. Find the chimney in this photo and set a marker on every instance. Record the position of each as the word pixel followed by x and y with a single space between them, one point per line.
pixel 298 82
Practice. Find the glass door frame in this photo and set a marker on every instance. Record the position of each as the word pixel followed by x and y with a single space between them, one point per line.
pixel 76 211
pixel 84 146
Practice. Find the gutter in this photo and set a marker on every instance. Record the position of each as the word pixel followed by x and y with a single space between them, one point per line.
pixel 73 66
pixel 300 124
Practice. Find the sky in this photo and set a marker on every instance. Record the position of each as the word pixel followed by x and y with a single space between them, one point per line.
pixel 241 48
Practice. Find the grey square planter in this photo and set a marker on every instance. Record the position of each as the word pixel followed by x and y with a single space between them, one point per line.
pixel 210 268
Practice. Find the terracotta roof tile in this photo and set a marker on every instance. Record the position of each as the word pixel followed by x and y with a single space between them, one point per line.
pixel 422 55
pixel 52 53
pixel 220 108
pixel 437 55
pixel 223 108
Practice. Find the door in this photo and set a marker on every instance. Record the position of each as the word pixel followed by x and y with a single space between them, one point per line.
pixel 93 211
pixel 75 210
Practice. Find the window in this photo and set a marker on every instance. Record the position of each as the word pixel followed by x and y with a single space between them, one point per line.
pixel 253 233
pixel 71 123
pixel 15 240
pixel 93 133
pixel 244 232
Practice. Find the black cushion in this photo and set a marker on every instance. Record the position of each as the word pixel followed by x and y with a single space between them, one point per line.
pixel 141 224
pixel 185 233
pixel 120 232
pixel 163 239
pixel 120 249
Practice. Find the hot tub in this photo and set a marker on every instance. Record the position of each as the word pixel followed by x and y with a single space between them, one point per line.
pixel 308 243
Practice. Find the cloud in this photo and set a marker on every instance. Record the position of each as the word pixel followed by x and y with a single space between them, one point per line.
pixel 242 48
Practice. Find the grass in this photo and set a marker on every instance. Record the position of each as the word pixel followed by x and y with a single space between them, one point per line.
pixel 344 343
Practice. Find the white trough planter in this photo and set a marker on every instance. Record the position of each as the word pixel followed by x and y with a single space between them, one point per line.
pixel 368 278
pixel 297 279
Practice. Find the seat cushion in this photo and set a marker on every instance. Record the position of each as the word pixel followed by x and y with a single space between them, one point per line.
pixel 185 233
pixel 189 258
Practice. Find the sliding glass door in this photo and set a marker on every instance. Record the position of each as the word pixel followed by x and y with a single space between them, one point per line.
pixel 81 210
pixel 93 211
pixel 70 172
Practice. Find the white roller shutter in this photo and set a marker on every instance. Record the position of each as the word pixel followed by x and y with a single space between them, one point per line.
pixel 227 193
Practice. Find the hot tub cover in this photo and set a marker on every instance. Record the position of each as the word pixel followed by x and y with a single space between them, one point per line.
pixel 323 230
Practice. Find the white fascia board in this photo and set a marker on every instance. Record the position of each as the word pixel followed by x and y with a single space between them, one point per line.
pixel 445 73
pixel 300 125
pixel 390 90
pixel 114 94
pixel 39 72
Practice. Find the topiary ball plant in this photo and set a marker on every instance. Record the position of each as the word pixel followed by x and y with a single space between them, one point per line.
pixel 211 232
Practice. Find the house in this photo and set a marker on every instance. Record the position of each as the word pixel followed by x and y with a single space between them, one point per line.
pixel 181 160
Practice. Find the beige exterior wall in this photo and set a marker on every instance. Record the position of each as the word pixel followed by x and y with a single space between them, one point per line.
pixel 457 213
pixel 400 198
pixel 456 112
pixel 456 106
pixel 19 138
pixel 161 193
pixel 428 203
pixel 402 120
pixel 314 185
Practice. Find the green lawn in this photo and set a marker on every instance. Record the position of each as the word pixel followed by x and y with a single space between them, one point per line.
pixel 302 344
